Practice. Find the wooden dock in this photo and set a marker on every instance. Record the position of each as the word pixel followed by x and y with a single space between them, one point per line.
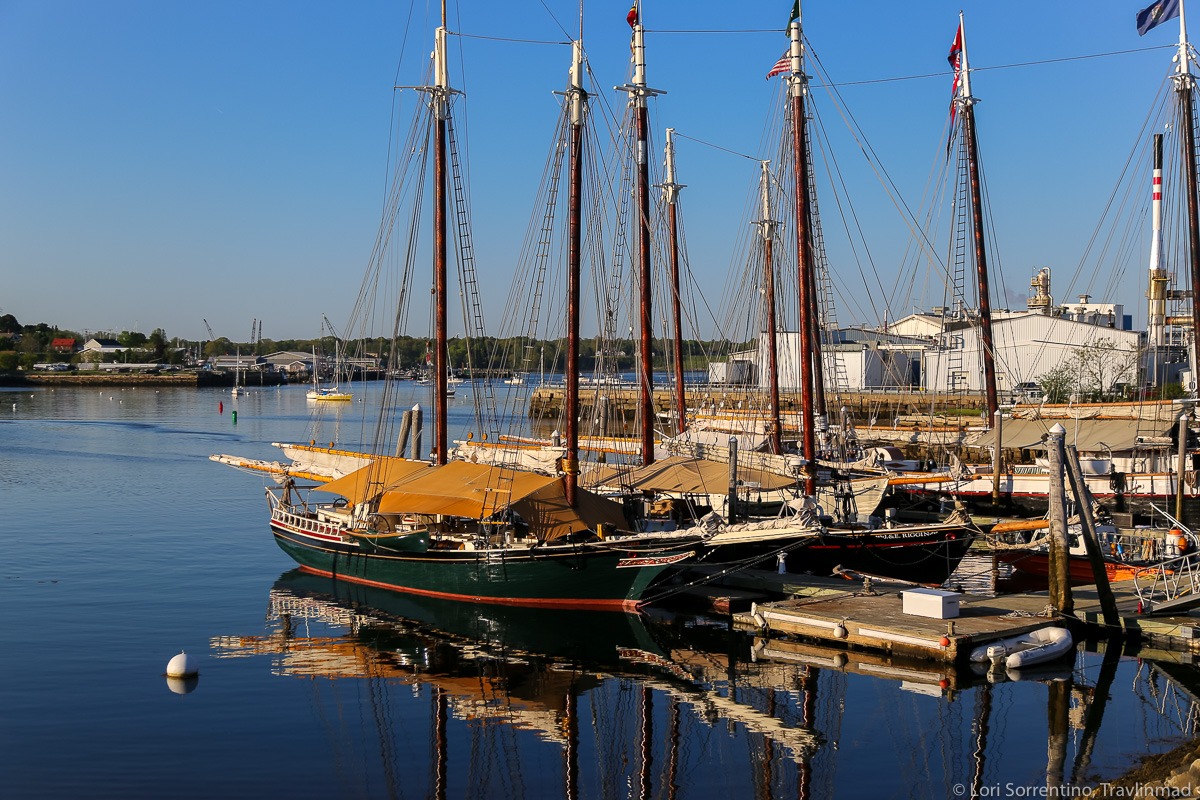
pixel 873 619
pixel 853 616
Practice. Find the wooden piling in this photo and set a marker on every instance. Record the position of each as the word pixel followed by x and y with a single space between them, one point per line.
pixel 405 430
pixel 1084 502
pixel 1059 579
pixel 416 433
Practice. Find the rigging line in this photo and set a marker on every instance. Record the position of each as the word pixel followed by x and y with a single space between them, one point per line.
pixel 719 30
pixel 560 25
pixel 505 38
pixel 882 174
pixel 998 66
pixel 715 146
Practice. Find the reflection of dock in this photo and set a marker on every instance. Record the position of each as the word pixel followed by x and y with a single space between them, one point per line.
pixel 913 674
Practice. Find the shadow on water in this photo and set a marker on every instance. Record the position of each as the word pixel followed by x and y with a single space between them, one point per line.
pixel 513 702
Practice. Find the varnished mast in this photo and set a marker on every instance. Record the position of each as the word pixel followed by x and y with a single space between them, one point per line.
pixel 1185 85
pixel 638 92
pixel 577 99
pixel 797 88
pixel 441 365
pixel 671 197
pixel 966 105
pixel 771 328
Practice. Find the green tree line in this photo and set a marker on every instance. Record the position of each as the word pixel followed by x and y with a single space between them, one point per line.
pixel 22 346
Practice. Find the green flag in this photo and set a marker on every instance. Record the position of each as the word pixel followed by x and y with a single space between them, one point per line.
pixel 795 14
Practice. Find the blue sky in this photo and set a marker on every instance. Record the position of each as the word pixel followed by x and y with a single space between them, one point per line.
pixel 167 162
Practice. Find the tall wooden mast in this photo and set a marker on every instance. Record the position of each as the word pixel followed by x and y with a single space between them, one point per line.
pixel 577 99
pixel 1185 85
pixel 638 92
pixel 966 106
pixel 797 88
pixel 770 327
pixel 441 362
pixel 671 195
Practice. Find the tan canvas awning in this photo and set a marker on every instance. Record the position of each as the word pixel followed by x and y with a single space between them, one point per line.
pixel 462 489
pixel 477 491
pixel 1088 435
pixel 688 475
pixel 549 517
pixel 378 476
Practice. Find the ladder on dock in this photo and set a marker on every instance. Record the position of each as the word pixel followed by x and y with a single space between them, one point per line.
pixel 1170 585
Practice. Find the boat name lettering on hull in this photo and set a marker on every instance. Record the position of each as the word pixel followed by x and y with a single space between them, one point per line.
pixel 652 561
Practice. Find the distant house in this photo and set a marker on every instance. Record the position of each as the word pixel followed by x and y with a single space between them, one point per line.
pixel 103 346
pixel 63 345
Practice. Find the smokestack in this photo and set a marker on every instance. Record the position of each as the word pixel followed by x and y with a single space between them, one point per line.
pixel 1157 292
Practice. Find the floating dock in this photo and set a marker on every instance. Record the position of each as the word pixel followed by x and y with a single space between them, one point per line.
pixel 871 617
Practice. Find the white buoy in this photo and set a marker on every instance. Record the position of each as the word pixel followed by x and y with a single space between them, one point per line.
pixel 182 666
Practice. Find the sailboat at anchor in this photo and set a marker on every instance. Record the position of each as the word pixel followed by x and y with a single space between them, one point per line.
pixel 459 530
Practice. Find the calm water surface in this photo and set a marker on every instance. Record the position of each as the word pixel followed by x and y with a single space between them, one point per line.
pixel 124 544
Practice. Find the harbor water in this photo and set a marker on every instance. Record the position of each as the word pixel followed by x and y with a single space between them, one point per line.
pixel 124 545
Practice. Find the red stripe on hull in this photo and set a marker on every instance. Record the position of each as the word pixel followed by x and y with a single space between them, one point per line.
pixel 599 605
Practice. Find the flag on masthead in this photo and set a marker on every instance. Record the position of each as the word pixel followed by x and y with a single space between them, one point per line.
pixel 955 59
pixel 1156 14
pixel 784 64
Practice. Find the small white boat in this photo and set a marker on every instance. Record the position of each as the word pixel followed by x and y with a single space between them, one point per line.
pixel 1035 647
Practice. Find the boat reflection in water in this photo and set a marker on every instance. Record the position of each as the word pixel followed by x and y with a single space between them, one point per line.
pixel 434 698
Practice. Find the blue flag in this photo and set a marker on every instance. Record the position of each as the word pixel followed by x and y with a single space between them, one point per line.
pixel 1156 13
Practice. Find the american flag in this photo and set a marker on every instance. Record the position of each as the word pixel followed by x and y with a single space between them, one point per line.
pixel 955 59
pixel 784 64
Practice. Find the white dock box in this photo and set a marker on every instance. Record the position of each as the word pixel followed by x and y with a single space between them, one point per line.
pixel 936 603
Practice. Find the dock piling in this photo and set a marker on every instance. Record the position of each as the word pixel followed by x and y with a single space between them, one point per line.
pixel 1084 502
pixel 1059 583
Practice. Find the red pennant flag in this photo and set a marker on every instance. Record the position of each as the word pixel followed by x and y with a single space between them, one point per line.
pixel 632 16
